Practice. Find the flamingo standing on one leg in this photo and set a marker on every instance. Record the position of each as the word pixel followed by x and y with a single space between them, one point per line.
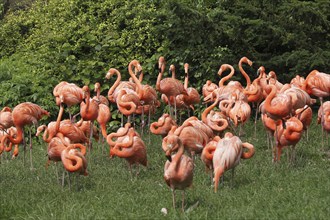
pixel 168 86
pixel 178 169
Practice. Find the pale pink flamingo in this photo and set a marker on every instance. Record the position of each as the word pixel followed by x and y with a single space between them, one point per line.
pixel 228 154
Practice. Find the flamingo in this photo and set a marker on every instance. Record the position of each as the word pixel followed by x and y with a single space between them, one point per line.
pixel 193 96
pixel 228 154
pixel 169 86
pixel 263 82
pixel 123 94
pixel 6 120
pixel 208 88
pixel 104 114
pixel 100 98
pixel 215 120
pixel 178 169
pixel 74 160
pixel 147 94
pixel 133 150
pixel 7 145
pixel 299 97
pixel 23 114
pixel 89 110
pixel 272 80
pixel 277 105
pixel 194 135
pixel 238 111
pixel 68 129
pixel 318 84
pixel 69 94
pixel 288 133
pixel 163 125
pixel 298 81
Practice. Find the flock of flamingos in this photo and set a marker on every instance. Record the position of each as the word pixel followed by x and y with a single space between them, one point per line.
pixel 285 112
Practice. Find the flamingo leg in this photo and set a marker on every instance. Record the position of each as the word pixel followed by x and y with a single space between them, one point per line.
pixel 173 198
pixel 31 162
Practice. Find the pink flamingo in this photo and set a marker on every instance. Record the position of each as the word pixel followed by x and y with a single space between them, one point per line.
pixel 228 154
pixel 178 169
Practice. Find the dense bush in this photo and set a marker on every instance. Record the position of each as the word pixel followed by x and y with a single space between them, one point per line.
pixel 44 42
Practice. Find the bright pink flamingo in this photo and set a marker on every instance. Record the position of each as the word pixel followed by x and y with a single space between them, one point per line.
pixel 23 114
pixel 69 94
pixel 288 133
pixel 89 110
pixel 178 169
pixel 132 149
pixel 104 114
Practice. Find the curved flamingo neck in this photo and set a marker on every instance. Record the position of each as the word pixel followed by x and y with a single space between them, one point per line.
pixel 135 64
pixel 208 110
pixel 247 61
pixel 269 98
pixel 223 68
pixel 161 67
pixel 114 71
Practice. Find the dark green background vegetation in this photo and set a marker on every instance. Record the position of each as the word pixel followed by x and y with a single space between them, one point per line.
pixel 45 42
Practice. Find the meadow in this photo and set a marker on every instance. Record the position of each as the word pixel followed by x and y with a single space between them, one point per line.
pixel 261 189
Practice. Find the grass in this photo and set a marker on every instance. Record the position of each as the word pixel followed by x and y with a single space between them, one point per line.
pixel 261 190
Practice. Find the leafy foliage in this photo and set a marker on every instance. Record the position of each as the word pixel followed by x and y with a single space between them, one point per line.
pixel 44 42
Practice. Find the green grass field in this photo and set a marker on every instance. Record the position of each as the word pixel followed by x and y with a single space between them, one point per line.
pixel 261 190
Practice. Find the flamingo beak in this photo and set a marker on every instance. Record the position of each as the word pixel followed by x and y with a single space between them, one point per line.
pixel 169 158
